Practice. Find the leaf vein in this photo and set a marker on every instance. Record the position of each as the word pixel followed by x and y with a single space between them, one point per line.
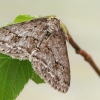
pixel 5 79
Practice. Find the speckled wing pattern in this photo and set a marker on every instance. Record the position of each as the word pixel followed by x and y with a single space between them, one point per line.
pixel 43 43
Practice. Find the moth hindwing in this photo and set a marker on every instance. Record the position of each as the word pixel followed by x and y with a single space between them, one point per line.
pixel 42 41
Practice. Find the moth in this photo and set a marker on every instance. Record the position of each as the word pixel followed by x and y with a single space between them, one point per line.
pixel 43 43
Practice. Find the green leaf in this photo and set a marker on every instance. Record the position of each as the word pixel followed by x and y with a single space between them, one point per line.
pixel 36 78
pixel 23 18
pixel 14 74
pixel 62 25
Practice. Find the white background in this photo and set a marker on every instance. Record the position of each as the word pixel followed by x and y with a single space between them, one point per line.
pixel 82 18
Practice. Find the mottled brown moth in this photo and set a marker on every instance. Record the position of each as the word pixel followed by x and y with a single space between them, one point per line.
pixel 43 43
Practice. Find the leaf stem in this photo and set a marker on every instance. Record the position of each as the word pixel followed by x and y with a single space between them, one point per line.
pixel 86 56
